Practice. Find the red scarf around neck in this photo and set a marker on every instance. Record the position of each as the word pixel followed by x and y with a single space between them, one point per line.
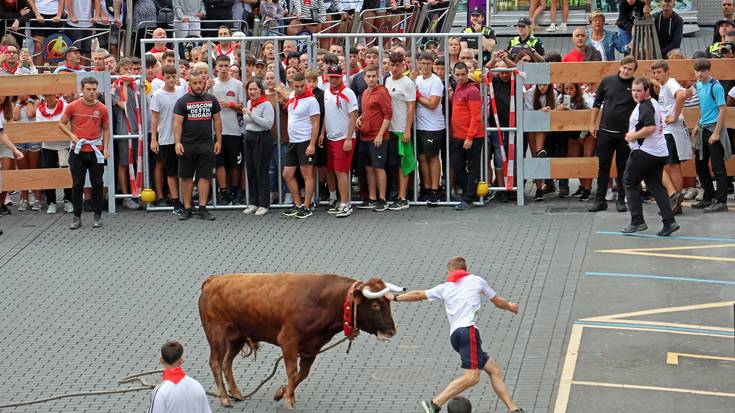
pixel 258 101
pixel 220 52
pixel 8 69
pixel 456 275
pixel 295 98
pixel 57 110
pixel 338 92
pixel 175 375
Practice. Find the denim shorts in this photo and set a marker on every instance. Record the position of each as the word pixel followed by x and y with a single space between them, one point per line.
pixel 5 152
pixel 28 147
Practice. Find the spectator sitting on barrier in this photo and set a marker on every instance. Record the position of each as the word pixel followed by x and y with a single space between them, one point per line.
pixel 581 52
pixel 308 16
pixel 669 27
pixel 605 41
pixel 72 61
pixel 628 11
pixel 177 392
pixel 459 404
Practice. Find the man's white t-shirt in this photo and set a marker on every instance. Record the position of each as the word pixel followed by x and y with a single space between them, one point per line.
pixel 648 113
pixel 299 118
pixel 430 119
pixel 667 101
pixel 731 93
pixel 47 6
pixel 83 11
pixel 401 92
pixel 163 102
pixel 185 396
pixel 337 113
pixel 462 299
pixel 229 91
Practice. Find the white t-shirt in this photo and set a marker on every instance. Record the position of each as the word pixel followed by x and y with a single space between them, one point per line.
pixel 731 93
pixel 299 118
pixel 462 299
pixel 667 101
pixel 163 103
pixel 47 6
pixel 597 44
pixel 648 113
pixel 337 113
pixel 83 11
pixel 185 396
pixel 430 119
pixel 401 92
pixel 229 91
pixel 56 146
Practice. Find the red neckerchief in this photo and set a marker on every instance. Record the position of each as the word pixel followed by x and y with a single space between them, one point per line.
pixel 219 52
pixel 99 70
pixel 339 94
pixel 295 98
pixel 325 79
pixel 355 71
pixel 456 275
pixel 57 110
pixel 174 375
pixel 258 101
pixel 156 49
pixel 8 69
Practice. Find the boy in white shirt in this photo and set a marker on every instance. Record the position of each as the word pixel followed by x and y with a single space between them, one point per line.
pixel 462 295
pixel 177 392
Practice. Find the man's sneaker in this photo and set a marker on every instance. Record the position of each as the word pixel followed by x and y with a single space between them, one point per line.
pixel 634 228
pixel 129 203
pixel 429 406
pixel 51 209
pixel 586 195
pixel 700 194
pixel 345 211
pixel 261 211
pixel 578 193
pixel 690 193
pixel 539 195
pixel 620 205
pixel 551 28
pixel 204 214
pixel 4 210
pixel 398 205
pixel 68 207
pixel 520 410
pixel 464 206
pixel 367 204
pixel 610 195
pixel 598 206
pixel 542 153
pixel 23 205
pixel 701 204
pixel 380 205
pixel 223 197
pixel 36 206
pixel 250 209
pixel 178 208
pixel 432 198
pixel 334 207
pixel 76 223
pixel 97 222
pixel 291 212
pixel 304 213
pixel 563 27
pixel 186 213
pixel 716 206
pixel 668 230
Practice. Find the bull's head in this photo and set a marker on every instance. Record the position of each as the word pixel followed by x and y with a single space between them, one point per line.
pixel 373 308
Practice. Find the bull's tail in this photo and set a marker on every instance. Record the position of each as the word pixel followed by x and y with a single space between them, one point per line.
pixel 250 348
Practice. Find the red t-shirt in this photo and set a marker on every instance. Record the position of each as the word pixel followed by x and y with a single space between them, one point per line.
pixel 376 107
pixel 87 121
pixel 573 56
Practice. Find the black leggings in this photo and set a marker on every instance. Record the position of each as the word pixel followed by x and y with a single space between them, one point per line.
pixel 258 150
pixel 50 159
pixel 609 144
pixel 643 166
pixel 79 164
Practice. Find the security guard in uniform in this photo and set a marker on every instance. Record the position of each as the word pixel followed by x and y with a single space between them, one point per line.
pixel 714 49
pixel 476 26
pixel 525 39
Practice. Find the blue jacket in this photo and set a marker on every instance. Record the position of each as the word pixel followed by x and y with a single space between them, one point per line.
pixel 611 42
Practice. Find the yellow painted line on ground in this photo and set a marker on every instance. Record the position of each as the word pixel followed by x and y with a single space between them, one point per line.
pixel 653 330
pixel 673 358
pixel 662 310
pixel 655 388
pixel 655 252
pixel 567 373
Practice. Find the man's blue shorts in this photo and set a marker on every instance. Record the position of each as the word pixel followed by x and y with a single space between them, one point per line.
pixel 466 341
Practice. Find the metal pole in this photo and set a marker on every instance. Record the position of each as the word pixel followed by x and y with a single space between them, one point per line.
pixel 447 165
pixel 144 124
pixel 111 205
pixel 518 138
pixel 277 72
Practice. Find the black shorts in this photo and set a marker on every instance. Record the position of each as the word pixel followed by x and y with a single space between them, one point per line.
pixel 296 155
pixel 673 158
pixel 47 23
pixel 393 158
pixel 371 156
pixel 231 154
pixel 167 156
pixel 430 143
pixel 122 151
pixel 466 341
pixel 198 159
pixel 321 154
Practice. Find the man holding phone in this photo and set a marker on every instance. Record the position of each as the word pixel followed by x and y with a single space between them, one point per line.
pixel 10 62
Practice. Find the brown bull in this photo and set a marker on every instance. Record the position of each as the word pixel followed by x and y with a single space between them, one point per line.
pixel 298 312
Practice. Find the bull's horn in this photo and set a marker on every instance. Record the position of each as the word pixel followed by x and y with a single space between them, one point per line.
pixel 395 289
pixel 373 295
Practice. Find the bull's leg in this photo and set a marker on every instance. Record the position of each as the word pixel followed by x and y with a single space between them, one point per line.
pixel 233 347
pixel 216 354
pixel 290 356
pixel 304 368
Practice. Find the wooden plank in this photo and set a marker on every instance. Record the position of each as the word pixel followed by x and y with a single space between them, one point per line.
pixel 588 167
pixel 35 179
pixel 565 120
pixel 593 72
pixel 24 132
pixel 62 83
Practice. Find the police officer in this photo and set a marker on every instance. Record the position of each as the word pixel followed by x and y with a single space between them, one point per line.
pixel 525 39
pixel 476 26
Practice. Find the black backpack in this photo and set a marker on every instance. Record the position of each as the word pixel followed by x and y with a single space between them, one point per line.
pixel 165 11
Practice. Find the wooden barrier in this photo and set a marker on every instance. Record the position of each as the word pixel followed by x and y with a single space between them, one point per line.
pixel 579 120
pixel 593 72
pixel 36 179
pixel 587 168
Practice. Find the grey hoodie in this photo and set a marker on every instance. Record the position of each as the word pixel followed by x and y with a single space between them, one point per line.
pixel 188 8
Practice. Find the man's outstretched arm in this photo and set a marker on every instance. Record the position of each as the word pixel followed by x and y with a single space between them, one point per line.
pixel 411 296
pixel 504 304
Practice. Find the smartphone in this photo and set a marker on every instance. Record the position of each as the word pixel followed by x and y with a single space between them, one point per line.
pixel 567 100
pixel 3 49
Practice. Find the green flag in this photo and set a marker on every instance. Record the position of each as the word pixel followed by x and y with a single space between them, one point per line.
pixel 408 159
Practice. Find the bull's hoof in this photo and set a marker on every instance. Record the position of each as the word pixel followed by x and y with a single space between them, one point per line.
pixel 225 402
pixel 279 393
pixel 289 403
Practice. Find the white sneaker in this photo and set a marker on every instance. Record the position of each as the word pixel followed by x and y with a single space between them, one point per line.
pixel 129 203
pixel 36 205
pixel 261 211
pixel 610 195
pixel 700 195
pixel 551 28
pixel 68 207
pixel 23 205
pixel 250 209
pixel 344 211
pixel 51 209
pixel 690 194
pixel 563 27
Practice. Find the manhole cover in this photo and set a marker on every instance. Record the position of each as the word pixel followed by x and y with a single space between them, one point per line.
pixel 404 375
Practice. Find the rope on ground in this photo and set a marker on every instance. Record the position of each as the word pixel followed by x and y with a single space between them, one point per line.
pixel 148 386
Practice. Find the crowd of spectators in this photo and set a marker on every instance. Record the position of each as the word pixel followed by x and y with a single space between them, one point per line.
pixel 315 144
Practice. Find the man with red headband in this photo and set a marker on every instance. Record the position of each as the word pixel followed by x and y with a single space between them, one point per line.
pixel 462 295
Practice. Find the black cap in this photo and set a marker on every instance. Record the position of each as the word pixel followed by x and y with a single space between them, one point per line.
pixel 334 70
pixel 525 21
pixel 260 62
pixel 724 21
pixel 477 10
pixel 71 49
pixel 432 41
pixel 294 55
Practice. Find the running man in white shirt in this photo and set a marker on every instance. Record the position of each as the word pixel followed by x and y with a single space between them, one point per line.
pixel 462 296
pixel 177 392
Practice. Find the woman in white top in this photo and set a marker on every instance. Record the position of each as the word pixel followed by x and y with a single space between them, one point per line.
pixel 54 154
pixel 539 97
pixel 580 143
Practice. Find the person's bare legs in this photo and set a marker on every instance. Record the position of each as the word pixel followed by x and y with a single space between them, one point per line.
pixel 372 182
pixel 470 378
pixel 667 182
pixel 289 175
pixel 307 171
pixel 677 178
pixel 496 380
pixel 203 186
pixel 382 182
